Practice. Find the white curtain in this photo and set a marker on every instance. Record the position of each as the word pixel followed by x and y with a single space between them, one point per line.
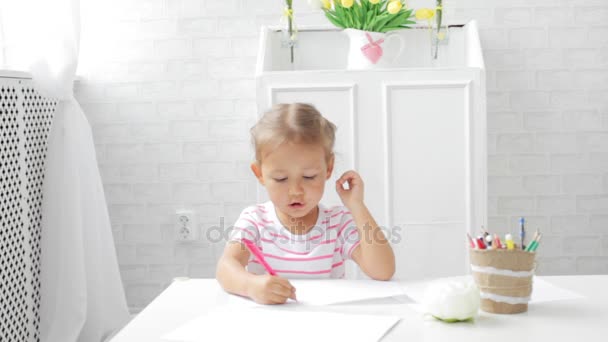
pixel 82 298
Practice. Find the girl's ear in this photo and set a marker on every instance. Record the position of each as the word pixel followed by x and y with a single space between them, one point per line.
pixel 257 171
pixel 330 166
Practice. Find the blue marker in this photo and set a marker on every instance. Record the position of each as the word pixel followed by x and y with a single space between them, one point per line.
pixel 522 232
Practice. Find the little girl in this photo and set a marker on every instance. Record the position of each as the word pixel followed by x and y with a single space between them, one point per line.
pixel 298 236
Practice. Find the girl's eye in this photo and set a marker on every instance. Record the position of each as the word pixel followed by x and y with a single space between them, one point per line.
pixel 279 180
pixel 310 177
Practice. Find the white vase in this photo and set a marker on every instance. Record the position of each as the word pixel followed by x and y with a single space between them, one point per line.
pixel 368 50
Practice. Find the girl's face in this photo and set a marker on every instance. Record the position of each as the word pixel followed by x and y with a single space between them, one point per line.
pixel 294 176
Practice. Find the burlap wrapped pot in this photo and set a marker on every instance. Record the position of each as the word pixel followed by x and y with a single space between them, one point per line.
pixel 504 278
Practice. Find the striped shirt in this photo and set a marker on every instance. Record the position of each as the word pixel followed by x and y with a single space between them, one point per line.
pixel 320 253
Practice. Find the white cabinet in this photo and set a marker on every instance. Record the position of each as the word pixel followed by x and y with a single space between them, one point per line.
pixel 416 133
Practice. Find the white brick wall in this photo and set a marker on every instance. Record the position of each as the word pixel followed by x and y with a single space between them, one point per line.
pixel 547 125
pixel 172 96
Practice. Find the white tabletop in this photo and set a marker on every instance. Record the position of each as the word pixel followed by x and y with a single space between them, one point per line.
pixel 582 319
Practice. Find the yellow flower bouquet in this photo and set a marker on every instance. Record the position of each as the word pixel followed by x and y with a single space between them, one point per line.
pixel 369 25
pixel 368 15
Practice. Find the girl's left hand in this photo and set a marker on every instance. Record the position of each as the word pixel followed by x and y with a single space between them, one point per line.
pixel 352 197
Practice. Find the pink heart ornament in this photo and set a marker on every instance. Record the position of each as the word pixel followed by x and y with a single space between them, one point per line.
pixel 372 52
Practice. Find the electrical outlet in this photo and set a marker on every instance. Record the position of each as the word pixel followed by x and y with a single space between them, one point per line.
pixel 185 226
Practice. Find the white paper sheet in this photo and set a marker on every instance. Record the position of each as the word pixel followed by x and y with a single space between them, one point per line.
pixel 253 324
pixel 325 292
pixel 334 291
pixel 544 291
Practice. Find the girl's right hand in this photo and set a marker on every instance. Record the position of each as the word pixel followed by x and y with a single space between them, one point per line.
pixel 267 289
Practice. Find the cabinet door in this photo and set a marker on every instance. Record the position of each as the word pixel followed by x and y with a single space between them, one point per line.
pixel 426 172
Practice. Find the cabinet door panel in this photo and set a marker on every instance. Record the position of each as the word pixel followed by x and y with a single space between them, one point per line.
pixel 429 250
pixel 427 145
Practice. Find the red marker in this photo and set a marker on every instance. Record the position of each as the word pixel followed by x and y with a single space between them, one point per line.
pixel 480 243
pixel 497 241
pixel 470 240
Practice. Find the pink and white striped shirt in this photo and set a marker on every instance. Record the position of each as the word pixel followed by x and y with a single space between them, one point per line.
pixel 320 253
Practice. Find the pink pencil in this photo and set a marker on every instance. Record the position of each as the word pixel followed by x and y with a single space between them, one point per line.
pixel 258 255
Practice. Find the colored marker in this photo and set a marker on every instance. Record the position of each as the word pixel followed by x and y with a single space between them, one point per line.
pixel 497 242
pixel 522 232
pixel 480 243
pixel 536 243
pixel 509 241
pixel 471 242
pixel 529 247
pixel 258 256
pixel 484 232
pixel 489 240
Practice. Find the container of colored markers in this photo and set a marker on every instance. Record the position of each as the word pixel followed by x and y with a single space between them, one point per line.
pixel 503 271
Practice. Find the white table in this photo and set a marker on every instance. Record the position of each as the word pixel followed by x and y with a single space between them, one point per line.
pixel 583 319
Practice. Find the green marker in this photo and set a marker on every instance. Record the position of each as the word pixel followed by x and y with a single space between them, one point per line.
pixel 531 246
pixel 534 245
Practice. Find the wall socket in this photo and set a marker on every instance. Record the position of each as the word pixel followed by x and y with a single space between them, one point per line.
pixel 185 226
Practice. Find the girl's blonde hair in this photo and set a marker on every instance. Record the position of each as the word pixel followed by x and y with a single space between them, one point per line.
pixel 293 122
